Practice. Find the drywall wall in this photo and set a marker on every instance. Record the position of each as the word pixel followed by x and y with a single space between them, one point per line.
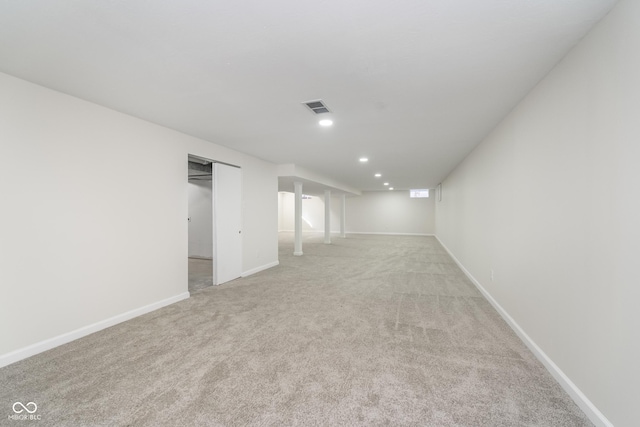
pixel 200 213
pixel 312 213
pixel 281 211
pixel 94 215
pixel 392 212
pixel 549 202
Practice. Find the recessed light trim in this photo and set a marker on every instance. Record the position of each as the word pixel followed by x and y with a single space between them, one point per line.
pixel 364 159
pixel 378 175
pixel 390 188
pixel 325 122
pixel 386 183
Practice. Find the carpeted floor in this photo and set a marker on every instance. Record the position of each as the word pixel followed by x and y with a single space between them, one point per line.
pixel 200 273
pixel 371 330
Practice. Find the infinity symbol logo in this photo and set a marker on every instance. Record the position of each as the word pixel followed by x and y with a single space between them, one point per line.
pixel 25 407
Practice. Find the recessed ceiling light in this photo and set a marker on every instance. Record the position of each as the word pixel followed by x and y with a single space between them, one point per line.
pixel 390 188
pixel 386 183
pixel 378 175
pixel 325 122
pixel 363 160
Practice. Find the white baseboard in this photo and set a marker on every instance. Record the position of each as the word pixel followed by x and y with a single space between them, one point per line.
pixel 574 392
pixel 388 234
pixel 308 231
pixel 48 344
pixel 259 269
pixel 360 232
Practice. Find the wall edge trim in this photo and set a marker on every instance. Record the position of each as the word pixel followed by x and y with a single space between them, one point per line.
pixel 362 232
pixel 583 402
pixel 259 269
pixel 389 234
pixel 50 343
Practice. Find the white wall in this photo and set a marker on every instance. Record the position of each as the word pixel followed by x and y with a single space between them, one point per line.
pixel 85 236
pixel 312 213
pixel 550 201
pixel 200 194
pixel 282 211
pixel 392 212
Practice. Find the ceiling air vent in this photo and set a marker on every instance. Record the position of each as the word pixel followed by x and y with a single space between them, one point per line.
pixel 317 106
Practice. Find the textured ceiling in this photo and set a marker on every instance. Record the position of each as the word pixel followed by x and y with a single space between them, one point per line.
pixel 413 85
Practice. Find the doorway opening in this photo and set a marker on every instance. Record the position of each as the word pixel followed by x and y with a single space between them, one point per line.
pixel 215 222
pixel 200 191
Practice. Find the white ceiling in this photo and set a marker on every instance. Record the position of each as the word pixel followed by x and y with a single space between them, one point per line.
pixel 413 85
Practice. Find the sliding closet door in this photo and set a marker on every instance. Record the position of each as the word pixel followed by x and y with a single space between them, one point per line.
pixel 227 222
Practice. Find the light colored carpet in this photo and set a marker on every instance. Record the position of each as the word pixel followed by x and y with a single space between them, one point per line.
pixel 371 330
pixel 200 273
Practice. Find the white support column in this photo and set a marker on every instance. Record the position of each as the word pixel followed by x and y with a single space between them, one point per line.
pixel 327 217
pixel 297 248
pixel 343 216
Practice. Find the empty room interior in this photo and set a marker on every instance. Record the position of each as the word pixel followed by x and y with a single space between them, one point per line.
pixel 320 213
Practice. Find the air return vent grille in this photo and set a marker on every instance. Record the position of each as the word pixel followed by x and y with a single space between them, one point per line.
pixel 317 106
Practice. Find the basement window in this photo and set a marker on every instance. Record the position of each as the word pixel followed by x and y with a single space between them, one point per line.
pixel 419 193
